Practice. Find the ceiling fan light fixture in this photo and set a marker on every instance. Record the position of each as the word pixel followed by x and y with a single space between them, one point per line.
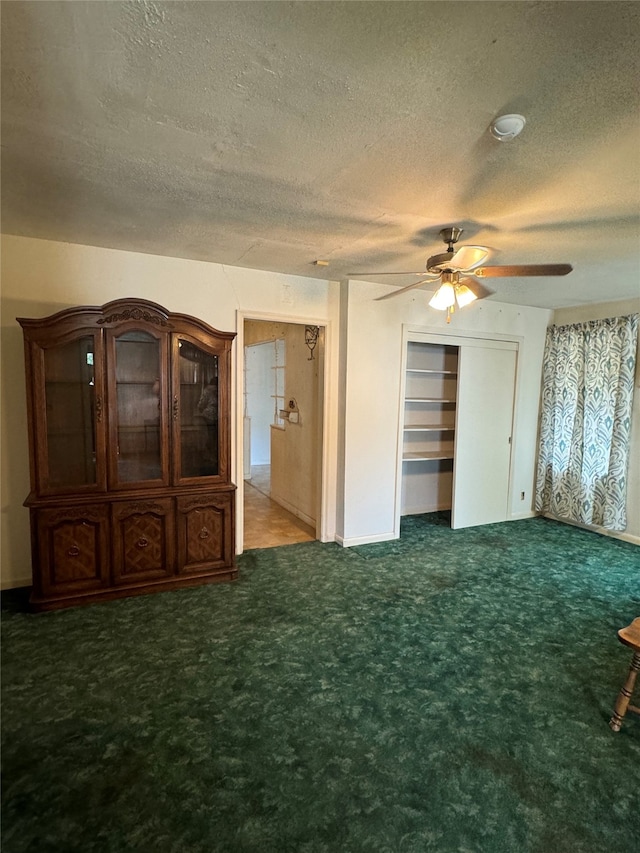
pixel 507 127
pixel 464 295
pixel 444 297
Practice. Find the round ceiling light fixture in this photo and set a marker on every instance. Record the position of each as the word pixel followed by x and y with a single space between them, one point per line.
pixel 507 127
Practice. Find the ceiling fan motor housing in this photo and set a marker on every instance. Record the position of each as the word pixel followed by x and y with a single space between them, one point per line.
pixel 450 235
pixel 439 263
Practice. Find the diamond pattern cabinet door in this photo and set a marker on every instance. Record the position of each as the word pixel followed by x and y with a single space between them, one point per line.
pixel 72 550
pixel 205 532
pixel 143 540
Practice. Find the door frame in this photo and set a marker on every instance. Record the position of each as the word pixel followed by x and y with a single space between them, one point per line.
pixel 325 502
pixel 458 338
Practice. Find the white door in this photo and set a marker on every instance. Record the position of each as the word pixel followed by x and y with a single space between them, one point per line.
pixel 484 419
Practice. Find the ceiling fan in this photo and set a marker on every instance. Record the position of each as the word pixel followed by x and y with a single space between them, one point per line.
pixel 450 266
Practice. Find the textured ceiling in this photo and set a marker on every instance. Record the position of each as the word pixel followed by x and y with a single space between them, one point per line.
pixel 270 134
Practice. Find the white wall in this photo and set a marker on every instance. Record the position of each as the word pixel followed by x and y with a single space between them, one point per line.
pixel 260 402
pixel 361 381
pixel 40 277
pixel 582 314
pixel 371 333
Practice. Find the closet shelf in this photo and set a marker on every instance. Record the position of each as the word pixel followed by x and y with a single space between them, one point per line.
pixel 428 400
pixel 435 372
pixel 427 454
pixel 429 428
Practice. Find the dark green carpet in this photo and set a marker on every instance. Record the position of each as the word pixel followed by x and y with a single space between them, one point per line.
pixel 446 692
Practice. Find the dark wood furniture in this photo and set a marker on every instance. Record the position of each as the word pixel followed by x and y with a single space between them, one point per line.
pixel 129 436
pixel 629 636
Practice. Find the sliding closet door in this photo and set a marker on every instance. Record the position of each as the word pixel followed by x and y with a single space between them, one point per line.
pixel 486 387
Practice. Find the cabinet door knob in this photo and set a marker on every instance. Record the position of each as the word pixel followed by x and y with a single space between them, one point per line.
pixel 204 533
pixel 142 542
pixel 74 551
pixel 175 408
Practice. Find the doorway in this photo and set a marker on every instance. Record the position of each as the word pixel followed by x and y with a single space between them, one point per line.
pixel 282 430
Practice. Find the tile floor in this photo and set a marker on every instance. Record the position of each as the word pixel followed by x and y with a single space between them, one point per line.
pixel 266 523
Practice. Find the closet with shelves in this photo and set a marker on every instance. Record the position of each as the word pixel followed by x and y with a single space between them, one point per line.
pixel 457 415
pixel 430 393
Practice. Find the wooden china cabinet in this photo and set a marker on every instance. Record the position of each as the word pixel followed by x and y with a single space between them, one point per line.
pixel 129 436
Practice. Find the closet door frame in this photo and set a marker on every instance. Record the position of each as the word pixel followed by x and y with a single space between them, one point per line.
pixel 460 339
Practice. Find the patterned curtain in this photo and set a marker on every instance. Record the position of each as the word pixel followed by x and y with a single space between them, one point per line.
pixel 587 394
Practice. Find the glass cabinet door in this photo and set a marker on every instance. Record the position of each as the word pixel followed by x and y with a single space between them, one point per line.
pixel 138 446
pixel 72 452
pixel 196 411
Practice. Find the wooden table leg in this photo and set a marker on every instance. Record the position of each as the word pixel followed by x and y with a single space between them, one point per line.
pixel 624 697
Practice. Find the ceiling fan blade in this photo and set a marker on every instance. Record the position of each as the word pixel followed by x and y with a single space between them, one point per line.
pixel 522 270
pixel 478 289
pixel 413 272
pixel 402 290
pixel 468 257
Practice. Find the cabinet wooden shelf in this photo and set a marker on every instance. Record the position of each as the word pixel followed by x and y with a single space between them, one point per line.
pixel 57 433
pixel 63 382
pixel 142 383
pixel 130 466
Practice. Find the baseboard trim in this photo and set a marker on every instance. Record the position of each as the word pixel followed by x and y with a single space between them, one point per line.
pixel 423 510
pixel 293 510
pixel 18 583
pixel 612 534
pixel 366 540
